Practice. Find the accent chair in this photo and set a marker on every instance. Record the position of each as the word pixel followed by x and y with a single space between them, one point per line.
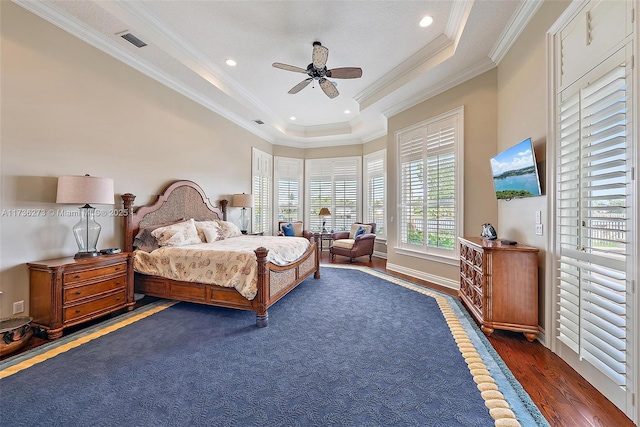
pixel 293 228
pixel 355 243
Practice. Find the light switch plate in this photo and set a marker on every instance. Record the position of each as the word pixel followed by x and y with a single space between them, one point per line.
pixel 539 229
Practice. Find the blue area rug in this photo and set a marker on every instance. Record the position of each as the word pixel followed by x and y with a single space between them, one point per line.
pixel 350 349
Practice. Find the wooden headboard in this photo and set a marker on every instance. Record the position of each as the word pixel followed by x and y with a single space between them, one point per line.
pixel 180 200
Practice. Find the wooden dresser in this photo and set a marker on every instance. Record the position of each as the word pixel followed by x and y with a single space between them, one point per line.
pixel 499 285
pixel 68 291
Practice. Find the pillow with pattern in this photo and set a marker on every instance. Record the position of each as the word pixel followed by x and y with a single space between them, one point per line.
pixel 228 229
pixel 180 234
pixel 208 231
pixel 145 241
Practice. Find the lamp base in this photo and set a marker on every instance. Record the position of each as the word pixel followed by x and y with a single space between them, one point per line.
pixel 86 254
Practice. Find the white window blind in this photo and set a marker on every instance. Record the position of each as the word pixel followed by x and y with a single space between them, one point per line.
pixel 334 184
pixel 375 194
pixel 262 179
pixel 593 217
pixel 288 179
pixel 429 185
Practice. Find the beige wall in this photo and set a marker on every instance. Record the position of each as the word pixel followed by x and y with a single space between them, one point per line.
pixel 522 113
pixel 69 109
pixel 479 97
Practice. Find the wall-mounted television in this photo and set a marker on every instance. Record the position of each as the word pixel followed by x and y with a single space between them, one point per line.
pixel 515 172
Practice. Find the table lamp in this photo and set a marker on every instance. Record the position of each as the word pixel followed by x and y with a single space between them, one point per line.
pixel 86 189
pixel 243 201
pixel 323 213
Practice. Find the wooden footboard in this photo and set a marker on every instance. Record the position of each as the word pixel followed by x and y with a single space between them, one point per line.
pixel 185 199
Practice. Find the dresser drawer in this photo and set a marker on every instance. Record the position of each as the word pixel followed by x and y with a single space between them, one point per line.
pixel 94 306
pixel 75 293
pixel 79 276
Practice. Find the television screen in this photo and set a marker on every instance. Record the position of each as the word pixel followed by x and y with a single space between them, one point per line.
pixel 515 172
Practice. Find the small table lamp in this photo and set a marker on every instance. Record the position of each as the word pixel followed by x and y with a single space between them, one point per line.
pixel 243 201
pixel 323 213
pixel 86 189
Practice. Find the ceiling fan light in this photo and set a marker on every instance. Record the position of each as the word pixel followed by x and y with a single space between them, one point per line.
pixel 426 21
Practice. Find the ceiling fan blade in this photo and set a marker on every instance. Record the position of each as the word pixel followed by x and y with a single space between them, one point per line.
pixel 297 88
pixel 345 73
pixel 329 89
pixel 319 56
pixel 289 68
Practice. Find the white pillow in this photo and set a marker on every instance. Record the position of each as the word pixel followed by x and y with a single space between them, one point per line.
pixel 228 229
pixel 208 231
pixel 180 234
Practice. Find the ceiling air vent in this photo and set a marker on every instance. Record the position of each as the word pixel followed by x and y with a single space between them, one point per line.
pixel 133 40
pixel 258 121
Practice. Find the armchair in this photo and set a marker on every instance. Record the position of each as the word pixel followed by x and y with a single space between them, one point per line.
pixel 346 243
pixel 297 229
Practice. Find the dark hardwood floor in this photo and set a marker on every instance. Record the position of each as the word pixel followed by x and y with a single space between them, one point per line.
pixel 561 394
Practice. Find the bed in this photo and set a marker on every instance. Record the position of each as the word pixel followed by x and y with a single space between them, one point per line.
pixel 183 200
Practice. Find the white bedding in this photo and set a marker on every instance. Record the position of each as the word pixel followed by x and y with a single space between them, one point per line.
pixel 230 262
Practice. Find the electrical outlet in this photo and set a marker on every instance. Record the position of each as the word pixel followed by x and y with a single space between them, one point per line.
pixel 18 307
pixel 539 229
pixel 538 217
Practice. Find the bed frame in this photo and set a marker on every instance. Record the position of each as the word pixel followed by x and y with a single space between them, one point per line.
pixel 185 199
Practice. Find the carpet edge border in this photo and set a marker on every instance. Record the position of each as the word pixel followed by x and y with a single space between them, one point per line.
pixel 52 349
pixel 500 416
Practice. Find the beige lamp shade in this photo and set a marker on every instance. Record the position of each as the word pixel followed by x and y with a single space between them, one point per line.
pixel 85 190
pixel 242 200
pixel 324 211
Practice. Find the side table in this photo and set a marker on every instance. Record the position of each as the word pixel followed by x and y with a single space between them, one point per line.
pixel 68 291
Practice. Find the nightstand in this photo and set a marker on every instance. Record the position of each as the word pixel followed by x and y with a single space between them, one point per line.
pixel 68 291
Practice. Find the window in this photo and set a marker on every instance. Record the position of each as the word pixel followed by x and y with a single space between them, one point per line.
pixel 593 216
pixel 375 192
pixel 334 184
pixel 261 167
pixel 595 245
pixel 288 189
pixel 430 185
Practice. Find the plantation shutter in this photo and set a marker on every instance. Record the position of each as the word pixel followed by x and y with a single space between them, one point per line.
pixel 288 188
pixel 593 216
pixel 261 192
pixel 334 184
pixel 440 184
pixel 411 155
pixel 428 186
pixel 375 194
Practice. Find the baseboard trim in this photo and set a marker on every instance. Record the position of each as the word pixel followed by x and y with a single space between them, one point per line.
pixel 437 280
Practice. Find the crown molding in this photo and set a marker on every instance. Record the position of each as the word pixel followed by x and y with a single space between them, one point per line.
pixel 441 87
pixel 78 29
pixel 440 49
pixel 184 52
pixel 514 28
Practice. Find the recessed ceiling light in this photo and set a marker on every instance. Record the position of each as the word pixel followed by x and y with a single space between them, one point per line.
pixel 231 62
pixel 426 21
pixel 292 118
pixel 347 111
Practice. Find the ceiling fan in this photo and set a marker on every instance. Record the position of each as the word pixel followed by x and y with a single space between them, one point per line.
pixel 317 70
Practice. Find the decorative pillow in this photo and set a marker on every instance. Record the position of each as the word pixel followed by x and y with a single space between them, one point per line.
pixel 354 228
pixel 228 229
pixel 287 229
pixel 208 231
pixel 358 232
pixel 180 234
pixel 145 241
